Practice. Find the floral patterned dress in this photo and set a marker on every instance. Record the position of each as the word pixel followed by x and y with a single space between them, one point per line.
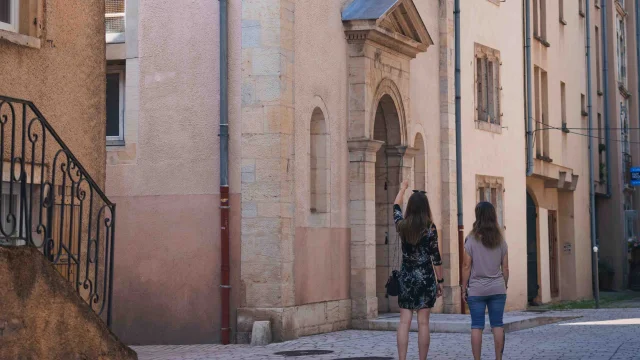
pixel 418 283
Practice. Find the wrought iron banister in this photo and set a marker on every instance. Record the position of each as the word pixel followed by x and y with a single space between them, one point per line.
pixel 48 200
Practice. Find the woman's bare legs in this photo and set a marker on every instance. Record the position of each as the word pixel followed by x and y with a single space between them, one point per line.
pixel 498 340
pixel 424 337
pixel 476 343
pixel 403 332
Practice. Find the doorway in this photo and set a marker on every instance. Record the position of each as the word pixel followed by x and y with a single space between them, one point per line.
pixel 553 254
pixel 532 250
pixel 387 183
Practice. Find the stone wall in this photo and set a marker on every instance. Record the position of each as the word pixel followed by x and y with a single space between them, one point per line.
pixel 43 318
pixel 293 322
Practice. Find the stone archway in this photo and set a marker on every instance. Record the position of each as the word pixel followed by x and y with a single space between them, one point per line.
pixel 382 41
pixel 388 176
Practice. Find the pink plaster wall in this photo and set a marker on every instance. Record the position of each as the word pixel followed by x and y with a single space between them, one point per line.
pixel 167 273
pixel 168 233
pixel 322 264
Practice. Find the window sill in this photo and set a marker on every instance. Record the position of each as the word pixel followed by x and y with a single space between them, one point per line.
pixel 563 21
pixel 114 38
pixel 600 93
pixel 115 143
pixel 582 14
pixel 544 42
pixel 20 39
pixel 486 126
pixel 584 113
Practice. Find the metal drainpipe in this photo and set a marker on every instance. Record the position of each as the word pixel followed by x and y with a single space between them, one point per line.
pixel 605 94
pixel 592 198
pixel 527 48
pixel 225 285
pixel 456 13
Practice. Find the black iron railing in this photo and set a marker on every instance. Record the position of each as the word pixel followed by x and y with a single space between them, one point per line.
pixel 626 167
pixel 48 200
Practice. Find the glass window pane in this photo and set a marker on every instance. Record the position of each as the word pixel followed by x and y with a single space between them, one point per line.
pixel 113 104
pixel 5 11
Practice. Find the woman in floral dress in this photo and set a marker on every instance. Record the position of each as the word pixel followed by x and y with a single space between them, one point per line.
pixel 421 266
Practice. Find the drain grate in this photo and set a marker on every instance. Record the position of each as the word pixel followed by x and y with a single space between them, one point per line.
pixel 367 358
pixel 295 353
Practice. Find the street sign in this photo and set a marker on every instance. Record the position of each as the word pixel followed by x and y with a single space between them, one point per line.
pixel 635 176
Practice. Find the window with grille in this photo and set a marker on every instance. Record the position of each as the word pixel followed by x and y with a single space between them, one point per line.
pixel 491 189
pixel 487 85
pixel 114 16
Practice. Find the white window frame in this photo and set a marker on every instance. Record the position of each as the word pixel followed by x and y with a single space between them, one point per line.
pixel 121 71
pixel 13 25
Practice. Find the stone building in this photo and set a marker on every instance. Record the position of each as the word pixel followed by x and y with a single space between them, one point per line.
pixel 331 105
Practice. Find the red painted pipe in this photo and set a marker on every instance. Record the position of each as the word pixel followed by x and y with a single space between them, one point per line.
pixel 461 261
pixel 225 284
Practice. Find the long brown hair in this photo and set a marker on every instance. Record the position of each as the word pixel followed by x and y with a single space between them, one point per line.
pixel 416 219
pixel 486 228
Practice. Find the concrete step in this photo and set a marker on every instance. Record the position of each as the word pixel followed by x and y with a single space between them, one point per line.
pixel 456 323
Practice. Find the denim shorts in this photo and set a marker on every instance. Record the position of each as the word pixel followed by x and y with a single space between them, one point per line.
pixel 477 306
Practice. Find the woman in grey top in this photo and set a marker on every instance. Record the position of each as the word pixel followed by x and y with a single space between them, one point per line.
pixel 485 274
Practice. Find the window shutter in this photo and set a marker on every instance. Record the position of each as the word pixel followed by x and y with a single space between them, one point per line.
pixel 497 92
pixel 491 93
pixel 479 86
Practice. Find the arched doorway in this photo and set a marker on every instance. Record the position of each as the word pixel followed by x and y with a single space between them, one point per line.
pixel 532 249
pixel 388 176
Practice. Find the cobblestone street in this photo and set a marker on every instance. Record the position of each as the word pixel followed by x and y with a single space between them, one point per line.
pixel 597 334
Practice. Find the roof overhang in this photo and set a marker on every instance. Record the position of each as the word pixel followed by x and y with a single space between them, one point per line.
pixel 395 24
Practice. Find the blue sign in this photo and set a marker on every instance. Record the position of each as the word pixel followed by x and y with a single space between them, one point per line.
pixel 635 176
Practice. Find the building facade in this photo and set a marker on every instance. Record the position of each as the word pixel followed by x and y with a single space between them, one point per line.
pixel 332 105
pixel 617 204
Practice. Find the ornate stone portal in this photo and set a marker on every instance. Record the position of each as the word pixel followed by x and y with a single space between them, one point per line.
pixel 383 37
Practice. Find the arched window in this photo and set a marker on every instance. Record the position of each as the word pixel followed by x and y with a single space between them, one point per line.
pixel 419 167
pixel 319 163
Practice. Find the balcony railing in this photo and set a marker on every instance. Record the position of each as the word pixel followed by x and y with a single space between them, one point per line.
pixel 48 200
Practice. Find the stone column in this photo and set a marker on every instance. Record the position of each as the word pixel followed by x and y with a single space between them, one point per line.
pixel 362 219
pixel 448 230
pixel 267 231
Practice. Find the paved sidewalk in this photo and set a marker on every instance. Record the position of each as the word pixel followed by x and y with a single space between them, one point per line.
pixel 597 334
pixel 456 323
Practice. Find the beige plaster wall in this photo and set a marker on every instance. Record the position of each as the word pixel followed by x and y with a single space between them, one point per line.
pixel 168 260
pixel 564 61
pixel 64 77
pixel 492 154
